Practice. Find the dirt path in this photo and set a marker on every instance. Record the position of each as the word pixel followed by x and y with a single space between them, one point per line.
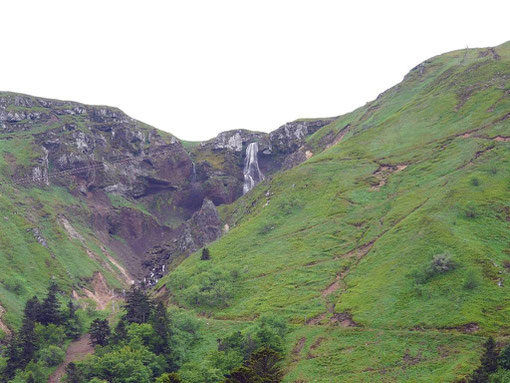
pixel 77 350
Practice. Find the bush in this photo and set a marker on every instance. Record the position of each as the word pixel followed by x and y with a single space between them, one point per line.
pixel 440 264
pixel 471 282
pixel 206 254
pixel 211 288
pixel 500 376
pixel 169 378
pixel 504 358
pixel 14 284
pixel 471 211
pixel 50 334
pixel 52 355
pixel 475 181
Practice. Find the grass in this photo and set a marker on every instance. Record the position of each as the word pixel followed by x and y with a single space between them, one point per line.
pixel 418 173
pixel 293 234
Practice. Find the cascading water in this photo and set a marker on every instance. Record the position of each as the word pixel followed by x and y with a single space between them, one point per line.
pixel 194 172
pixel 252 173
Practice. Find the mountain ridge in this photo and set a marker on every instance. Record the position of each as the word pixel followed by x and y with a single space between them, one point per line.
pixel 341 239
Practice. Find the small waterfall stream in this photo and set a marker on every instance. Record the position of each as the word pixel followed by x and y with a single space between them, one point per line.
pixel 194 172
pixel 252 173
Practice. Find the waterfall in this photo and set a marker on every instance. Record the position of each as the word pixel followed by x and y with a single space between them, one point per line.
pixel 194 170
pixel 252 173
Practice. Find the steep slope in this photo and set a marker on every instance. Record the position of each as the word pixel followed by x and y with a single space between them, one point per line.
pixel 98 200
pixel 343 245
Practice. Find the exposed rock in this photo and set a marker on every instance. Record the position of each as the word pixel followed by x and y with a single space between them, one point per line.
pixel 38 236
pixel 100 154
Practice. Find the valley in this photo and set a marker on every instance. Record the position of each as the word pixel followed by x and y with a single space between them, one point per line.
pixel 374 246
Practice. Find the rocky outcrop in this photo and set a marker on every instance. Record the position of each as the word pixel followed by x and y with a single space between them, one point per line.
pixel 204 227
pixel 166 194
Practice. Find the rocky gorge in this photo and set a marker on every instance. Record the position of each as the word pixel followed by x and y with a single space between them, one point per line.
pixel 147 196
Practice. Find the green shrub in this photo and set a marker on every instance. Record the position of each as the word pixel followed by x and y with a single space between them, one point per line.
pixel 14 284
pixel 471 211
pixel 471 282
pixel 475 181
pixel 440 264
pixel 52 355
pixel 500 376
pixel 50 334
pixel 169 378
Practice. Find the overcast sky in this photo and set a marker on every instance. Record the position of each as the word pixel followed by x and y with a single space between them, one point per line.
pixel 196 68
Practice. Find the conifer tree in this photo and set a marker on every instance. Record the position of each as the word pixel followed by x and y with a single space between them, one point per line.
pixel 488 361
pixel 161 325
pixel 71 310
pixel 27 340
pixel 13 357
pixel 490 357
pixel 138 306
pixel 50 308
pixel 120 332
pixel 99 332
pixel 73 373
pixel 206 254
pixel 243 374
pixel 262 367
pixel 33 309
pixel 504 358
pixel 265 364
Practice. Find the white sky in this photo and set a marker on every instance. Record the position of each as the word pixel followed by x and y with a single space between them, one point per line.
pixel 195 68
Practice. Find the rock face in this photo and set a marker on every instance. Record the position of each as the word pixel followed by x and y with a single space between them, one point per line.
pixel 147 197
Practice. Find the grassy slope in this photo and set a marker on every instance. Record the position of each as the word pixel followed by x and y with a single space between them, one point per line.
pixel 296 232
pixel 26 265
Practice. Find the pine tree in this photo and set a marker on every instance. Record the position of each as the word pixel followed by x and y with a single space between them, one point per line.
pixel 120 332
pixel 71 310
pixel 138 306
pixel 504 358
pixel 265 364
pixel 262 367
pixel 27 341
pixel 50 308
pixel 488 361
pixel 71 321
pixel 33 309
pixel 73 373
pixel 490 357
pixel 99 332
pixel 243 374
pixel 13 357
pixel 161 325
pixel 206 254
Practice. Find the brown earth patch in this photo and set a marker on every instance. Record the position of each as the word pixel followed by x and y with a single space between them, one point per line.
pixel 411 360
pixel 101 293
pixel 468 328
pixel 384 171
pixel 316 319
pixel 357 253
pixel 343 320
pixel 298 347
pixel 315 346
pixel 340 135
pixel 332 287
pixel 76 351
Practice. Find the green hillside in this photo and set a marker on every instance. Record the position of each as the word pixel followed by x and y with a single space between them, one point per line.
pixel 389 252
